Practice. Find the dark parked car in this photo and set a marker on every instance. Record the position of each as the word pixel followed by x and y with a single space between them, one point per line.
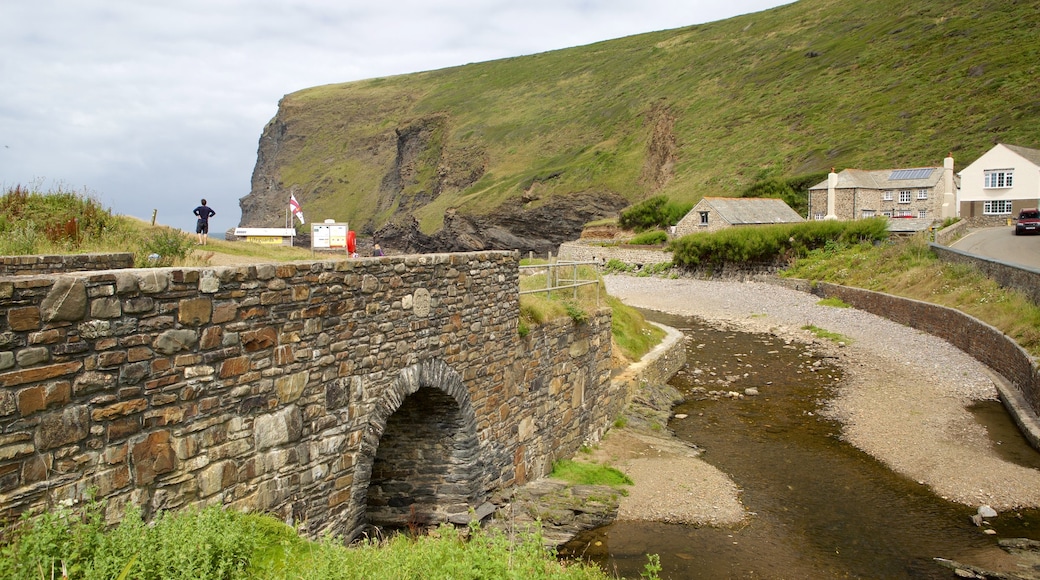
pixel 1028 222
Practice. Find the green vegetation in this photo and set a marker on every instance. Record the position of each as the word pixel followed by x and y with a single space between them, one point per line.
pixel 826 334
pixel 909 268
pixel 773 244
pixel 833 302
pixel 66 222
pixel 219 544
pixel 656 212
pixel 758 102
pixel 632 335
pixel 586 473
pixel 651 238
pixel 792 190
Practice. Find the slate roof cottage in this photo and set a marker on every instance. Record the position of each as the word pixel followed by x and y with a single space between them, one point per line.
pixel 920 192
pixel 714 213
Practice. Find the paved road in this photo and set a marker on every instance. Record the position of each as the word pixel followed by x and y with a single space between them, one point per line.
pixel 1002 244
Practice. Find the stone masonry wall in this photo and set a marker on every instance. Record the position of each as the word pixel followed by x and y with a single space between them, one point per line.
pixel 1020 278
pixel 269 387
pixel 28 265
pixel 591 252
pixel 980 340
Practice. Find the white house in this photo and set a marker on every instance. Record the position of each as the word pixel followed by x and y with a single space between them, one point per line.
pixel 714 213
pixel 996 186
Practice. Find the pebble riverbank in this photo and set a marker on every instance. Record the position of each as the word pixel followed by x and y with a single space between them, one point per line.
pixel 904 400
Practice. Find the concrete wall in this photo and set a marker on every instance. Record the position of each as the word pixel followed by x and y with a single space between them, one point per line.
pixel 272 387
pixel 27 265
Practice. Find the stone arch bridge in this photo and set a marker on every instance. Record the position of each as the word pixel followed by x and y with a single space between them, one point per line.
pixel 333 394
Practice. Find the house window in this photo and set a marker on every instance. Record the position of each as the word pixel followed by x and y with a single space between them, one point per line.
pixel 997 178
pixel 887 213
pixel 818 217
pixel 903 213
pixel 922 194
pixel 997 207
pixel 704 218
pixel 869 213
pixel 904 196
pixel 886 196
pixel 922 213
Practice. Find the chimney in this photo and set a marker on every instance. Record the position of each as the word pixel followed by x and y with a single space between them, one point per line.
pixel 832 183
pixel 949 205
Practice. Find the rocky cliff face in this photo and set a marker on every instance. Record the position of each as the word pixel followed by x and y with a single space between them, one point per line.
pixel 510 227
pixel 421 164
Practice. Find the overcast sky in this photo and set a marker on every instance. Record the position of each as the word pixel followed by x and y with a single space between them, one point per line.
pixel 149 104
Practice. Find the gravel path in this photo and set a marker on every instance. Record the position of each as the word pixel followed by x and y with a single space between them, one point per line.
pixel 904 401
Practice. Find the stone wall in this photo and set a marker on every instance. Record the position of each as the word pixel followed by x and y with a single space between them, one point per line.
pixel 594 252
pixel 980 340
pixel 27 265
pixel 275 388
pixel 1020 278
pixel 951 233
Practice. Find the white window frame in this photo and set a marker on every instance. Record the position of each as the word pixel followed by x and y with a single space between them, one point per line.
pixel 996 207
pixel 869 213
pixel 903 213
pixel 887 213
pixel 886 195
pixel 922 194
pixel 818 217
pixel 997 178
pixel 904 196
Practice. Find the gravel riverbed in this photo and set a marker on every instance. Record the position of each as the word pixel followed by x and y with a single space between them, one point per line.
pixel 904 400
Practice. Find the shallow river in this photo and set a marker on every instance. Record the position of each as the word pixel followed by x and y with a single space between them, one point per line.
pixel 819 508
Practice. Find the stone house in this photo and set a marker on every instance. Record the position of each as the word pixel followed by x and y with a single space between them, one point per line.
pixel 715 213
pixel 922 193
pixel 996 186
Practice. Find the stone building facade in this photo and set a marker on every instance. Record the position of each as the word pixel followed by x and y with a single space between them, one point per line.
pixel 331 394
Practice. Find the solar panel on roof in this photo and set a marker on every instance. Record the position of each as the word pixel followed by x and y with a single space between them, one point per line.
pixel 900 174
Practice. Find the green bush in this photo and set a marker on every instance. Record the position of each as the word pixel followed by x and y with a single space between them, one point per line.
pixel 655 212
pixel 164 247
pixel 218 544
pixel 773 243
pixel 651 238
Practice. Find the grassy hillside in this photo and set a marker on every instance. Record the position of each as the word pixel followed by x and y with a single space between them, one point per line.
pixel 701 110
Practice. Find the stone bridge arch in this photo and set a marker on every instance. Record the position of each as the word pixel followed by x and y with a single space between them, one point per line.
pixel 420 459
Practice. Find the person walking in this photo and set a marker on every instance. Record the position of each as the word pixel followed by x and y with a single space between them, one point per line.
pixel 203 212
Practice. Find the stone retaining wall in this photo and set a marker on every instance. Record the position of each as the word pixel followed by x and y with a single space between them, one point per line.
pixel 1020 278
pixel 592 252
pixel 272 387
pixel 28 265
pixel 980 340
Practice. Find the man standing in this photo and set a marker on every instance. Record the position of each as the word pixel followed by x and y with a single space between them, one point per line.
pixel 203 212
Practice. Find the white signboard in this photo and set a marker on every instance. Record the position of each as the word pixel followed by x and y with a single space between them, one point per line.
pixel 328 235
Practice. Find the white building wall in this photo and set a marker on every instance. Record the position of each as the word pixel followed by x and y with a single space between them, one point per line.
pixel 1025 185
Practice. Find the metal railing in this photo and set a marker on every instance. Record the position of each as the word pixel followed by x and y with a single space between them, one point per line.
pixel 556 277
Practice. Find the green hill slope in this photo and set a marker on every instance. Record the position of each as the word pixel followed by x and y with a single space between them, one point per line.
pixel 518 152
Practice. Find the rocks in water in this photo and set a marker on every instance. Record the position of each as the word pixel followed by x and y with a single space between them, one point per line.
pixel 987 512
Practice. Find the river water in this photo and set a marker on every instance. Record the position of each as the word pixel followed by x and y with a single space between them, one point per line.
pixel 819 508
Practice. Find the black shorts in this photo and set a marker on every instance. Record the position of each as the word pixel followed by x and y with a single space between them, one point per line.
pixel 202 227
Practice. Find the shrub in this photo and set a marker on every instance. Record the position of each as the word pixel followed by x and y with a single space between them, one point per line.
pixel 164 247
pixel 773 243
pixel 649 238
pixel 655 212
